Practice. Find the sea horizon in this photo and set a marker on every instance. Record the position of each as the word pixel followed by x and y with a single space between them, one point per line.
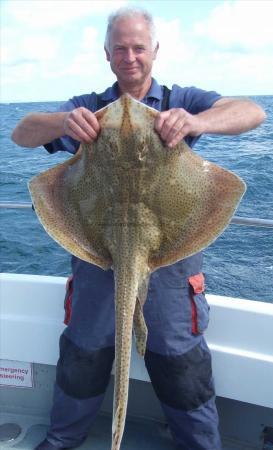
pixel 64 100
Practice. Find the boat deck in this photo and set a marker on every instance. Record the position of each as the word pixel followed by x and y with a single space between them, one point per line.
pixel 139 434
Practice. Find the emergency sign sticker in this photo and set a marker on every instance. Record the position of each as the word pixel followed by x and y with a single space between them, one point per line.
pixel 16 374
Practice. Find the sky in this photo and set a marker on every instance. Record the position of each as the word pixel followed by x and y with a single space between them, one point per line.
pixel 53 49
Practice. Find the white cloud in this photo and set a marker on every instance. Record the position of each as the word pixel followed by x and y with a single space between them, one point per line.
pixel 26 56
pixel 22 75
pixel 90 37
pixel 48 66
pixel 19 44
pixel 239 25
pixel 173 44
pixel 40 47
pixel 229 51
pixel 87 60
pixel 177 53
pixel 42 14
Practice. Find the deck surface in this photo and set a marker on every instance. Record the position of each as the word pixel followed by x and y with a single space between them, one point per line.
pixel 139 434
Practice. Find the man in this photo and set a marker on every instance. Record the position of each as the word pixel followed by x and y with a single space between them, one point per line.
pixel 175 311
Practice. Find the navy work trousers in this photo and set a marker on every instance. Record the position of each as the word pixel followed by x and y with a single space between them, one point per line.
pixel 177 357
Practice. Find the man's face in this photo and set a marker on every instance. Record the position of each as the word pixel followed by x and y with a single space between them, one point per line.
pixel 131 55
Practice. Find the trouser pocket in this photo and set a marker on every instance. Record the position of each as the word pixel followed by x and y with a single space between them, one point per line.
pixel 68 300
pixel 199 304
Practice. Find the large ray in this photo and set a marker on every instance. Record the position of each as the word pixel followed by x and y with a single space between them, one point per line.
pixel 130 203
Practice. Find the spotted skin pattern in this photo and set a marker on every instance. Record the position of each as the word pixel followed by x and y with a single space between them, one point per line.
pixel 130 203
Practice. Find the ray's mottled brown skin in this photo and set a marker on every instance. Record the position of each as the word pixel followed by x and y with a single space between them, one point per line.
pixel 130 203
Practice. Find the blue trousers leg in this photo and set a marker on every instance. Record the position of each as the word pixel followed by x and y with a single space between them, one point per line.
pixel 179 361
pixel 200 427
pixel 86 356
pixel 71 418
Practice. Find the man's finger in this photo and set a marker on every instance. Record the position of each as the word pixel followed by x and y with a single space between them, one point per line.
pixel 77 132
pixel 178 137
pixel 92 120
pixel 160 119
pixel 86 127
pixel 171 128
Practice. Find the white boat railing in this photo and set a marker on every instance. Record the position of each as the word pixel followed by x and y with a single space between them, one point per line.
pixel 16 205
pixel 247 221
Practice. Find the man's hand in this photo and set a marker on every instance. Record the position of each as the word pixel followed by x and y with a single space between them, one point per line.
pixel 82 125
pixel 176 123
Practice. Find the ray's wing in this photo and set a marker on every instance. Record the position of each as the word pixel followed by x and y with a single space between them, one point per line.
pixel 66 201
pixel 72 199
pixel 196 201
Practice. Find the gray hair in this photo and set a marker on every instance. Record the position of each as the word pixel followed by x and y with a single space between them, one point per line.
pixel 128 12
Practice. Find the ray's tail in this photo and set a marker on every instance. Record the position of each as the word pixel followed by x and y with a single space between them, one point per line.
pixel 133 243
pixel 129 275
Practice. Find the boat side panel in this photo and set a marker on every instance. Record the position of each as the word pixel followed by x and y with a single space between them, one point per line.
pixel 239 335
